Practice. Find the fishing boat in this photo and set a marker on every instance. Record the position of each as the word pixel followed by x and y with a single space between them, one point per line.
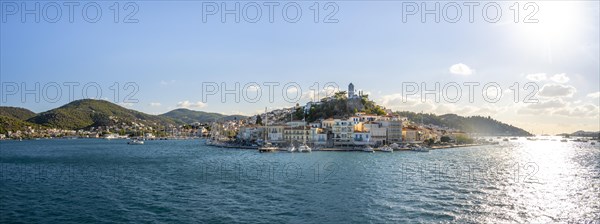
pixel 386 148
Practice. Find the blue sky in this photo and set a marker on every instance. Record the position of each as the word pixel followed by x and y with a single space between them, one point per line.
pixel 170 52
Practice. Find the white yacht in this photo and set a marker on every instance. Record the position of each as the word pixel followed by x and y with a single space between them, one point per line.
pixel 368 148
pixel 304 148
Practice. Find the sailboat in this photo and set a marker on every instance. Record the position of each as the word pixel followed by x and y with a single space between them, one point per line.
pixel 291 147
pixel 267 147
pixel 304 147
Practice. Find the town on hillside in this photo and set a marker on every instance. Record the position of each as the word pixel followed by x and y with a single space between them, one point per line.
pixel 362 126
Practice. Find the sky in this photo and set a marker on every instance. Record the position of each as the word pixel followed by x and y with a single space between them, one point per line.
pixel 156 56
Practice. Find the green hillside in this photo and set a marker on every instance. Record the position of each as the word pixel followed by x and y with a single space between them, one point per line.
pixel 191 116
pixel 475 124
pixel 13 124
pixel 339 106
pixel 16 112
pixel 92 113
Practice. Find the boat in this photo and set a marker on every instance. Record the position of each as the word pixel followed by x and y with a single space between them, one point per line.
pixel 417 148
pixel 506 139
pixel 395 146
pixel 135 142
pixel 304 148
pixel 267 147
pixel 514 138
pixel 386 148
pixel 368 148
pixel 420 149
pixel 563 140
pixel 291 148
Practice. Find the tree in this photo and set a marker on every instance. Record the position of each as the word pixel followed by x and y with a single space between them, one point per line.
pixel 259 120
pixel 430 141
pixel 463 139
pixel 445 139
pixel 340 94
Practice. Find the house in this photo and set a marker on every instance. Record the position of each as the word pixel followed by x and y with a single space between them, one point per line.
pixel 318 136
pixel 377 132
pixel 410 134
pixel 343 132
pixel 297 134
pixel 328 123
pixel 275 133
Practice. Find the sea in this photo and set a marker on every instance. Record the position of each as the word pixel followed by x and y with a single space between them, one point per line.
pixel 185 181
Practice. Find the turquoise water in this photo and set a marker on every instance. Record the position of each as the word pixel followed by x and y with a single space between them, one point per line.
pixel 83 180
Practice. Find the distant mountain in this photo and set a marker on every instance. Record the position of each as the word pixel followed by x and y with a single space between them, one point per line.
pixel 582 133
pixel 92 113
pixel 16 112
pixel 191 116
pixel 473 124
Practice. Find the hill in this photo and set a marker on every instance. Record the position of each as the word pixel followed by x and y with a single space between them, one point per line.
pixel 339 106
pixel 191 116
pixel 581 133
pixel 473 124
pixel 16 112
pixel 93 113
pixel 13 124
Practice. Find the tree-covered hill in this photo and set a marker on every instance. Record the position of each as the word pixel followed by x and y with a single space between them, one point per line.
pixel 191 116
pixel 92 113
pixel 473 124
pixel 16 112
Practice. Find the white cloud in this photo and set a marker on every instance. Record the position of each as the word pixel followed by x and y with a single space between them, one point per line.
pixel 537 77
pixel 586 110
pixel 188 104
pixel 560 78
pixel 557 90
pixel 551 104
pixel 317 95
pixel 461 69
pixel 594 95
pixel 155 104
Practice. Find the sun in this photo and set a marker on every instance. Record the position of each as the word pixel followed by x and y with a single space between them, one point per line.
pixel 551 22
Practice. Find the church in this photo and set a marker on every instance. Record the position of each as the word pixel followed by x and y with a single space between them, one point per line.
pixel 352 94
